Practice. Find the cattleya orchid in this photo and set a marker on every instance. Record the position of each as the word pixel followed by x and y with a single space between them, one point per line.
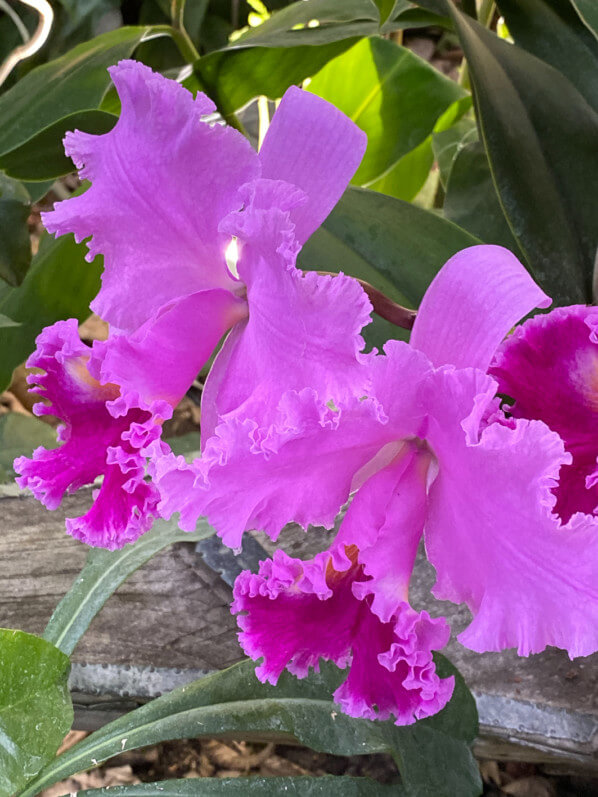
pixel 428 450
pixel 169 192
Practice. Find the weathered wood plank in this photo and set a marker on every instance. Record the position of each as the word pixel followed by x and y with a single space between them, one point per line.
pixel 170 623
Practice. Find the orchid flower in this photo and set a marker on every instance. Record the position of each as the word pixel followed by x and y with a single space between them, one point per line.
pixel 169 193
pixel 549 367
pixel 427 452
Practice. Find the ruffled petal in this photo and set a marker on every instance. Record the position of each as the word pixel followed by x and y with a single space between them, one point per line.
pixel 302 465
pixel 162 180
pixel 549 365
pixel 385 522
pixel 314 146
pixel 299 468
pixel 471 304
pixel 491 533
pixel 104 434
pixel 295 613
pixel 303 330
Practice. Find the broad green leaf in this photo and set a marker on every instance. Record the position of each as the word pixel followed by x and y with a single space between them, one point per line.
pixel 60 284
pixel 313 22
pixel 103 573
pixel 407 177
pixel 293 44
pixel 386 8
pixel 35 706
pixel 396 247
pixel 37 189
pixel 448 143
pixel 553 31
pixel 15 244
pixel 322 786
pixel 588 12
pixel 471 200
pixel 540 135
pixel 5 321
pixel 393 95
pixel 42 157
pixel 20 435
pixel 234 76
pixel 74 82
pixel 234 701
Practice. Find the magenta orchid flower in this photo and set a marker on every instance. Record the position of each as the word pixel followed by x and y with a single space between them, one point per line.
pixel 549 366
pixel 429 452
pixel 169 192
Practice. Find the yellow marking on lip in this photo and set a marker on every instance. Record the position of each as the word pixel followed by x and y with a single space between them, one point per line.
pixel 77 369
pixel 586 378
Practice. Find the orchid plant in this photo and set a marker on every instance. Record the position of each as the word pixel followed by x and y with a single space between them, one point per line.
pixel 469 424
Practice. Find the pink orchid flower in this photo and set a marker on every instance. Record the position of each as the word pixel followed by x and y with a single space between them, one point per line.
pixel 428 452
pixel 169 192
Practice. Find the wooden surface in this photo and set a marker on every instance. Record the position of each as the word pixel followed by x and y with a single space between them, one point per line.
pixel 170 623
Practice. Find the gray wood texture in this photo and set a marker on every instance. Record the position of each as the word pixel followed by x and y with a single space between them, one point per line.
pixel 170 623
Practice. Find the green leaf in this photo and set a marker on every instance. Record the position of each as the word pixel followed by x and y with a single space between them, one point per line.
pixel 35 706
pixel 42 156
pixel 5 321
pixel 294 25
pixel 472 202
pixel 448 143
pixel 285 49
pixel 407 177
pixel 19 436
pixel 38 189
pixel 393 95
pixel 74 82
pixel 103 573
pixel 540 135
pixel 15 244
pixel 60 284
pixel 588 12
pixel 234 701
pixel 234 76
pixel 386 8
pixel 553 31
pixel 298 786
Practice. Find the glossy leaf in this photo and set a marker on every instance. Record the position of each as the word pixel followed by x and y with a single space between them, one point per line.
pixel 448 143
pixel 74 82
pixel 5 321
pixel 103 573
pixel 540 135
pixel 588 12
pixel 314 22
pixel 42 156
pixel 35 706
pixel 394 96
pixel 407 177
pixel 286 48
pixel 19 435
pixel 60 284
pixel 553 31
pixel 234 76
pixel 321 786
pixel 15 244
pixel 233 701
pixel 471 200
pixel 294 25
pixel 37 189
